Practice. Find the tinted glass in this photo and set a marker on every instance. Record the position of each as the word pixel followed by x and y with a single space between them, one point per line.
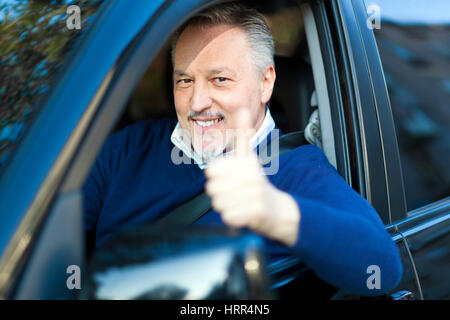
pixel 414 43
pixel 35 38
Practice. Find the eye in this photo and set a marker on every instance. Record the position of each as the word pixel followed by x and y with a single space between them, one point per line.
pixel 220 79
pixel 184 82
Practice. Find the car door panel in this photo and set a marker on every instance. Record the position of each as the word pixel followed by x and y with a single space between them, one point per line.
pixel 59 246
pixel 42 159
pixel 427 232
pixel 357 48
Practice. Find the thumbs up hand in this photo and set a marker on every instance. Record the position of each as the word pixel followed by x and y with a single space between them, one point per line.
pixel 244 197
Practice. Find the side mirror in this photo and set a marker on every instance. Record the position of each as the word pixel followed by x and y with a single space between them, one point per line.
pixel 190 263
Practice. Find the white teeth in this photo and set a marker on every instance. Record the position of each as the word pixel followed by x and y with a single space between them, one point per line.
pixel 206 123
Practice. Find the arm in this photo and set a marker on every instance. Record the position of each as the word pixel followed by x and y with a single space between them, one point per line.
pixel 340 235
pixel 314 212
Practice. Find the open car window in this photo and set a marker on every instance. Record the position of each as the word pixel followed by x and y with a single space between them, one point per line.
pixel 290 104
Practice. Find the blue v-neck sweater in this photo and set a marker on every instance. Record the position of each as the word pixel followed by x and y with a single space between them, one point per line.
pixel 134 181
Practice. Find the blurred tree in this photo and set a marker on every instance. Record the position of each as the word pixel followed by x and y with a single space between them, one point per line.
pixel 34 42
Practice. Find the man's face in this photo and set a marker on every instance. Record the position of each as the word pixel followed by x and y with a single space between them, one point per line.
pixel 213 80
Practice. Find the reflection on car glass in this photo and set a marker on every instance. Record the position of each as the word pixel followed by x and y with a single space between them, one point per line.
pixel 415 52
pixel 35 40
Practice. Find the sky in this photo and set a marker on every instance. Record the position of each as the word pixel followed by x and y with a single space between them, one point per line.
pixel 414 11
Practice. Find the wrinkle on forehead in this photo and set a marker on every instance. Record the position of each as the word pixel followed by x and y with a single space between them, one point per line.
pixel 219 44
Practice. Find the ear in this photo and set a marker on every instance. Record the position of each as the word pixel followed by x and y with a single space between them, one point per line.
pixel 267 83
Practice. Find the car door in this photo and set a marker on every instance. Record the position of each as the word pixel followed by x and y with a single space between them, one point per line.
pixel 47 160
pixel 360 150
pixel 370 156
pixel 413 46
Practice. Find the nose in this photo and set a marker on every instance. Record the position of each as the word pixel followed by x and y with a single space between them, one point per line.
pixel 200 99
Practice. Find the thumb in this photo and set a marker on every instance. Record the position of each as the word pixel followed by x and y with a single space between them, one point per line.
pixel 243 129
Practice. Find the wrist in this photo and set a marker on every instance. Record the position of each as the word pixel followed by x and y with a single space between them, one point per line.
pixel 287 219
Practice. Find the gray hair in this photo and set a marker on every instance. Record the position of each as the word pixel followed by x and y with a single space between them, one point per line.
pixel 249 20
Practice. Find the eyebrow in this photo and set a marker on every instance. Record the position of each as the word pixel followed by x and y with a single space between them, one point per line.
pixel 179 73
pixel 221 70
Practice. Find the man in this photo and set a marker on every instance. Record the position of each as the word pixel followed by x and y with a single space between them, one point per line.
pixel 223 79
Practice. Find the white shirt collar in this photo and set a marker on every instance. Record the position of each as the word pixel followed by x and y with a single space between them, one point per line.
pixel 181 140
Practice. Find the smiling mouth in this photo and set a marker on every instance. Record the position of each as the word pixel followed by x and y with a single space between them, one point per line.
pixel 205 123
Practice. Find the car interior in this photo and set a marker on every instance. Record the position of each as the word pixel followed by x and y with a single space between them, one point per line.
pixel 292 102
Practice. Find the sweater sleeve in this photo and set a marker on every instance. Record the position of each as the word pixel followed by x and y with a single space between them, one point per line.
pixel 341 236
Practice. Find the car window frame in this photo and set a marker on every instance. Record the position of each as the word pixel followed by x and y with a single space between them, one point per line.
pixel 28 215
pixel 365 114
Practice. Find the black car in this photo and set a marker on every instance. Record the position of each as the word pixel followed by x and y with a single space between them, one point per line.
pixel 368 82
